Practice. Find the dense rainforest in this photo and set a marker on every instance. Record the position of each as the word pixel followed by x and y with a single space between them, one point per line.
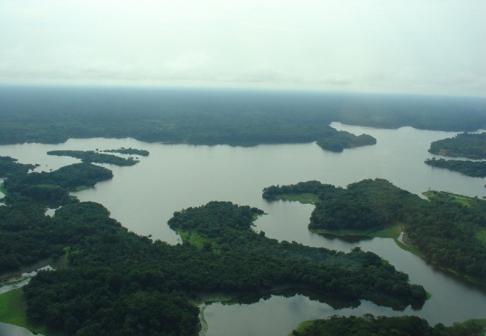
pixel 369 325
pixel 52 115
pixel 95 157
pixel 448 230
pixel 465 167
pixel 115 282
pixel 467 145
pixel 51 189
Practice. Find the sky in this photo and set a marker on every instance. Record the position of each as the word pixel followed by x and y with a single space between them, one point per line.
pixel 406 46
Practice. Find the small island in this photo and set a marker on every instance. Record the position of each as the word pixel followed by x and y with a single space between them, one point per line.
pixel 128 151
pixel 465 167
pixel 95 157
pixel 52 188
pixel 447 230
pixel 369 325
pixel 467 145
pixel 337 141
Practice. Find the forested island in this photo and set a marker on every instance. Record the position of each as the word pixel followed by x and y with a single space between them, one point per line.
pixel 112 281
pixel 53 115
pixel 467 145
pixel 340 140
pixel 95 157
pixel 369 325
pixel 128 151
pixel 447 230
pixel 465 167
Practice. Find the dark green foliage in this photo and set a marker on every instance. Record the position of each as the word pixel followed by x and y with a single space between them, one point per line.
pixel 337 141
pixel 25 237
pixel 365 205
pixel 469 168
pixel 272 193
pixel 95 157
pixel 52 188
pixel 447 229
pixel 116 282
pixel 10 166
pixel 52 115
pixel 384 326
pixel 128 151
pixel 468 145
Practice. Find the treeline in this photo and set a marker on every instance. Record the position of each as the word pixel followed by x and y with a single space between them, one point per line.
pixel 447 229
pixel 95 157
pixel 53 115
pixel 128 151
pixel 465 167
pixel 385 326
pixel 9 166
pixel 468 145
pixel 52 188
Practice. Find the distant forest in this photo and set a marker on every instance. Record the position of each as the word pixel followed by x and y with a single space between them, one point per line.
pixel 52 115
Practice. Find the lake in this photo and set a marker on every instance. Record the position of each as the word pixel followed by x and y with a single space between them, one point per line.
pixel 143 197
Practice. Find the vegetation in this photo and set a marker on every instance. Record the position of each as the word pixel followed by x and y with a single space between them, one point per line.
pixel 366 205
pixel 468 145
pixel 53 115
pixel 115 282
pixel 465 167
pixel 338 141
pixel 95 157
pixel 10 166
pixel 385 326
pixel 447 230
pixel 52 188
pixel 128 151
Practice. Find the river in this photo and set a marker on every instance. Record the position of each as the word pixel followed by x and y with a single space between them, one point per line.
pixel 143 197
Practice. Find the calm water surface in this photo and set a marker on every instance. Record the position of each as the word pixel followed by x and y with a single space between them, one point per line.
pixel 144 197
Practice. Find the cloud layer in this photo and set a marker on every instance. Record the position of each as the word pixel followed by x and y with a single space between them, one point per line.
pixel 414 46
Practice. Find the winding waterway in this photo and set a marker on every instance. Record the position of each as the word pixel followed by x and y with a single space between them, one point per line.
pixel 143 198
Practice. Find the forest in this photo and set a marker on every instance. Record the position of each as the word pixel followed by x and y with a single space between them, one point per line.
pixel 465 167
pixel 342 140
pixel 128 151
pixel 467 145
pixel 113 281
pixel 51 189
pixel 369 325
pixel 95 157
pixel 53 115
pixel 448 230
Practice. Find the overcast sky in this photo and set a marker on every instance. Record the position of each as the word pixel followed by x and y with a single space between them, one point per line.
pixel 411 46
